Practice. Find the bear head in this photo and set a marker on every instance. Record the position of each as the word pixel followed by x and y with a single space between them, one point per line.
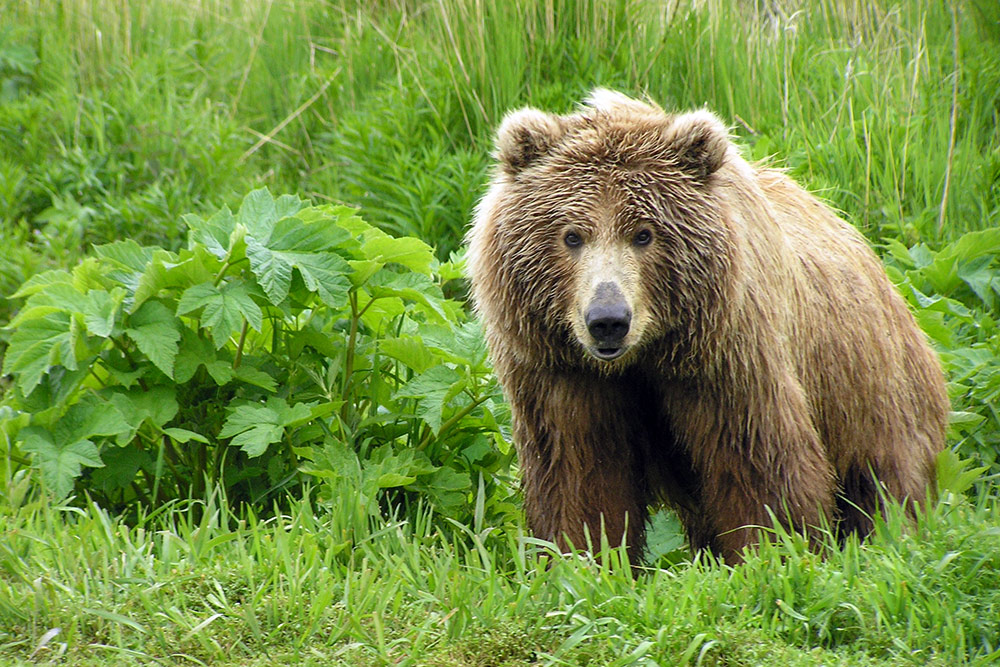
pixel 602 231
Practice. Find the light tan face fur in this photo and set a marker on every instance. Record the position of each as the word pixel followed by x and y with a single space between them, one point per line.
pixel 607 270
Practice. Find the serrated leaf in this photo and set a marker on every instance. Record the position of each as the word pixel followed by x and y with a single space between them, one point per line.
pixel 60 463
pixel 156 332
pixel 964 420
pixel 464 344
pixel 89 275
pixel 256 439
pixel 168 271
pixel 393 479
pixel 408 251
pixel 126 254
pixel 256 377
pixel 120 467
pixel 433 389
pixel 334 460
pixel 409 350
pixel 57 296
pixel 42 281
pixel 253 427
pixel 215 234
pixel 412 287
pixel 972 245
pixel 448 488
pixel 192 353
pixel 183 435
pixel 40 343
pixel 88 418
pixel 99 311
pixel 158 405
pixel 258 213
pixel 295 245
pixel 225 309
pixel 363 269
pixel 981 278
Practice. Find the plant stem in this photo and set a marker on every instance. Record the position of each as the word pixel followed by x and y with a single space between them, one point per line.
pixel 349 355
pixel 239 346
pixel 454 419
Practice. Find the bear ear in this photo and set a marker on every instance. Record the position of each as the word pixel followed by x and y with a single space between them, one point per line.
pixel 700 141
pixel 524 136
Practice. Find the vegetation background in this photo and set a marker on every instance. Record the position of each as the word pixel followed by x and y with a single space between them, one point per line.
pixel 228 442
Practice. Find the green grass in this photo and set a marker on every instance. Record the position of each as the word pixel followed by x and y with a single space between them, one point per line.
pixel 196 584
pixel 119 116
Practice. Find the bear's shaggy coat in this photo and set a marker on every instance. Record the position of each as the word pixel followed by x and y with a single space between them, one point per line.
pixel 768 364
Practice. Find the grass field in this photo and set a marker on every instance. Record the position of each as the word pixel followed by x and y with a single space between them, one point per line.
pixel 382 527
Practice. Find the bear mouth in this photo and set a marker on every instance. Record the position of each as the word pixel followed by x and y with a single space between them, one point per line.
pixel 608 353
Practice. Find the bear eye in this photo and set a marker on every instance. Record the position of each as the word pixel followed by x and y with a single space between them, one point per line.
pixel 572 240
pixel 644 237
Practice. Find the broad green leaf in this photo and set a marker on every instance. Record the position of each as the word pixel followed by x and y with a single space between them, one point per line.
pixel 157 406
pixel 254 376
pixel 347 219
pixel 410 287
pixel 258 213
pixel 193 352
pixel 90 275
pixel 409 350
pixel 57 296
pixel 89 417
pixel 899 252
pixel 955 474
pixel 42 281
pixel 454 269
pixel 156 331
pixel 220 371
pixel 933 324
pixel 433 389
pixel 183 435
pixel 408 251
pixel 380 314
pixel 287 206
pixel 225 308
pixel 307 248
pixel 393 479
pixel 126 254
pixel 40 343
pixel 942 274
pixel 982 278
pixel 255 439
pixel 253 427
pixel 964 420
pixel 167 271
pixel 99 310
pixel 363 269
pixel 60 462
pixel 973 245
pixel 334 460
pixel 215 234
pixel 463 345
pixel 448 488
pixel 120 467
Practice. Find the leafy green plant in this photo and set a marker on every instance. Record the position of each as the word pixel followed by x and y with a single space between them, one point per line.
pixel 955 294
pixel 283 338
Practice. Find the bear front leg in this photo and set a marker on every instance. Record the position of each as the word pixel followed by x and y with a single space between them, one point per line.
pixel 579 442
pixel 753 458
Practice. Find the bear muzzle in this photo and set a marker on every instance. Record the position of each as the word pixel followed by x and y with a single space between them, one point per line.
pixel 608 318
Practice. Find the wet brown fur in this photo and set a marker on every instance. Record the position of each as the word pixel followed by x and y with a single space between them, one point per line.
pixel 774 365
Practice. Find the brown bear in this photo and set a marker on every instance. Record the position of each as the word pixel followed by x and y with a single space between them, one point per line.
pixel 672 323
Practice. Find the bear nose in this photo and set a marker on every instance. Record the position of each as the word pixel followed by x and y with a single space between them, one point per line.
pixel 608 315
